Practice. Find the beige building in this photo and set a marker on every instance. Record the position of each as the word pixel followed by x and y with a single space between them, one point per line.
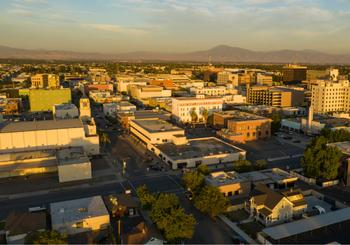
pixel 125 82
pixel 64 111
pixel 182 107
pixel 230 184
pixel 275 96
pixel 45 81
pixel 84 107
pixel 225 77
pixel 210 91
pixel 79 215
pixel 328 96
pixel 49 134
pixel 144 93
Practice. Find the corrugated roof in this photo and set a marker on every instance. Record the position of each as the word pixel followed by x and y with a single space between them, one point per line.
pixel 40 125
pixel 305 225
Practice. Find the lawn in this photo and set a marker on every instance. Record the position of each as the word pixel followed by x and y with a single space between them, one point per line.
pixel 251 228
pixel 237 215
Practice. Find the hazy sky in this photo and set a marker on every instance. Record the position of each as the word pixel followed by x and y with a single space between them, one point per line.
pixel 175 25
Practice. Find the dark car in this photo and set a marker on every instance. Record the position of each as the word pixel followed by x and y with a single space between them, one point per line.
pixel 156 167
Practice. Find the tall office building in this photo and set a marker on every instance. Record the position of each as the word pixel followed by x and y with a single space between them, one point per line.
pixel 274 96
pixel 45 81
pixel 294 73
pixel 328 96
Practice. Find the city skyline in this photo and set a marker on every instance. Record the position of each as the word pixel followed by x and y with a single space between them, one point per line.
pixel 175 26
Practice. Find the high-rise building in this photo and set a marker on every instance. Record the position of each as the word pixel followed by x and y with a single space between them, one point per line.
pixel 274 96
pixel 85 110
pixel 328 96
pixel 45 81
pixel 227 77
pixel 294 73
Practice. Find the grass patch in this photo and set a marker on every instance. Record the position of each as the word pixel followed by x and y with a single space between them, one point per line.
pixel 237 215
pixel 251 228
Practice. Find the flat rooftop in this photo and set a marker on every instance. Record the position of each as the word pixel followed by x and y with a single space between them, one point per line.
pixel 77 209
pixel 139 114
pixel 65 107
pixel 156 125
pixel 343 146
pixel 74 155
pixel 275 174
pixel 10 127
pixel 222 178
pixel 198 148
pixel 196 98
pixel 240 115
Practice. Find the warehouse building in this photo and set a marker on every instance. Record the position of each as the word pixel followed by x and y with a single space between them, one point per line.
pixel 45 99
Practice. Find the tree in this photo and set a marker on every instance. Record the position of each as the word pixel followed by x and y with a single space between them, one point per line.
pixel 260 164
pixel 203 169
pixel 242 165
pixel 276 122
pixel 171 219
pixel 211 201
pixel 104 138
pixel 320 160
pixel 177 225
pixel 45 237
pixel 205 115
pixel 194 116
pixel 193 181
pixel 145 197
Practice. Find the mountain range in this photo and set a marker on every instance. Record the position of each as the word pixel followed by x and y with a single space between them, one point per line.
pixel 221 53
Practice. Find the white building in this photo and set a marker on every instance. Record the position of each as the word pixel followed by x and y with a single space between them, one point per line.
pixel 209 91
pixel 79 215
pixel 328 96
pixel 143 93
pixel 182 107
pixel 124 82
pixel 63 111
pixel 118 107
pixel 48 134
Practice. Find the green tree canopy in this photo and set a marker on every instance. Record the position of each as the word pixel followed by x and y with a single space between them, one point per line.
pixel 320 160
pixel 260 164
pixel 203 169
pixel 104 138
pixel 46 237
pixel 242 165
pixel 211 201
pixel 193 114
pixel 145 197
pixel 205 115
pixel 193 181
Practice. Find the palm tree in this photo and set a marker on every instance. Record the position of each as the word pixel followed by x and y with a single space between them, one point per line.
pixel 194 116
pixel 104 138
pixel 205 115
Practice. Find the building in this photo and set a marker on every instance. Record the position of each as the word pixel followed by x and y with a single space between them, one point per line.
pixel 79 215
pixel 154 131
pixel 19 224
pixel 294 73
pixel 48 134
pixel 125 117
pixel 125 82
pixel 328 96
pixel 333 74
pixel 102 97
pixel 84 107
pixel 241 126
pixel 165 83
pixel 144 93
pixel 73 164
pixel 183 108
pixel 263 79
pixel 209 91
pixel 10 106
pixel 118 107
pixel 64 111
pixel 45 99
pixel 230 184
pixel 98 87
pixel 271 207
pixel 275 96
pixel 45 81
pixel 225 77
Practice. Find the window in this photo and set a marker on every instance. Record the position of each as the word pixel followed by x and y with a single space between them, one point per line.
pixel 229 194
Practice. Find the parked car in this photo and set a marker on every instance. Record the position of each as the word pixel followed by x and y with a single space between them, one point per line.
pixel 320 209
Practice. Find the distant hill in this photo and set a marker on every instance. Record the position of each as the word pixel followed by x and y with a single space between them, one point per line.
pixel 221 53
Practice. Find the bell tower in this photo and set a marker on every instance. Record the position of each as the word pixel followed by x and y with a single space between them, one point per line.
pixel 85 110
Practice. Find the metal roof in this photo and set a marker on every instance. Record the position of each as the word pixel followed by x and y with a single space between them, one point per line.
pixel 307 224
pixel 40 125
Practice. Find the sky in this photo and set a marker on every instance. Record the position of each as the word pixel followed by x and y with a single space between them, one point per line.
pixel 118 26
